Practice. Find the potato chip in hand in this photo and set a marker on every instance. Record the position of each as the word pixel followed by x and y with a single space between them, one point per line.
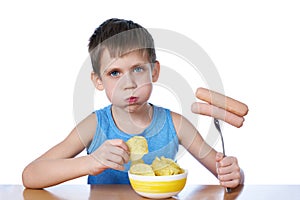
pixel 138 147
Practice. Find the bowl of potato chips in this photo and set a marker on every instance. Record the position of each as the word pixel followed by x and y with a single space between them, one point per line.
pixel 163 182
pixel 163 178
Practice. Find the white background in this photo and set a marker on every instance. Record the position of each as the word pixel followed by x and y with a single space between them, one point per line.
pixel 255 46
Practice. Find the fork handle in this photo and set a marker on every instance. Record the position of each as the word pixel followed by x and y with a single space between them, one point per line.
pixel 228 190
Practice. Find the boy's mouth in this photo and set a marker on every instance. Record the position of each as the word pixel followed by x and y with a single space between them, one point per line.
pixel 132 100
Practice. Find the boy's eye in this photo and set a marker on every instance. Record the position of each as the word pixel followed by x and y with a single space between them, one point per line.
pixel 138 69
pixel 114 73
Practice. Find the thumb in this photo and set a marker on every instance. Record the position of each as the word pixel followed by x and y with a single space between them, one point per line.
pixel 219 156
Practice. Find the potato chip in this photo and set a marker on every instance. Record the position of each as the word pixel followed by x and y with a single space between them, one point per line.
pixel 158 164
pixel 138 147
pixel 165 167
pixel 134 162
pixel 142 169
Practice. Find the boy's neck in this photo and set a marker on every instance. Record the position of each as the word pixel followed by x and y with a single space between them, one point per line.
pixel 133 122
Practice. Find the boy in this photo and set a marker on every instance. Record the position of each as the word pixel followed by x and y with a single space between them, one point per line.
pixel 125 66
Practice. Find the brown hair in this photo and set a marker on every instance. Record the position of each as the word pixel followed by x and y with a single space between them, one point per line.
pixel 120 37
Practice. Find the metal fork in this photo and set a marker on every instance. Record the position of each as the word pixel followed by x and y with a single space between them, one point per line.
pixel 217 125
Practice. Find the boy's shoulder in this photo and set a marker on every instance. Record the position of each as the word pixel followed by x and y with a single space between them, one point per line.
pixel 103 109
pixel 176 116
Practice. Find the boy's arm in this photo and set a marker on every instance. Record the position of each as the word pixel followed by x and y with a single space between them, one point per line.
pixel 191 139
pixel 58 164
pixel 228 171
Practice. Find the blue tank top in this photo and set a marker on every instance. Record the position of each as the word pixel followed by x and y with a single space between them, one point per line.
pixel 160 135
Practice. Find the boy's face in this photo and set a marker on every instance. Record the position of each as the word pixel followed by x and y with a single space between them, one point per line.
pixel 127 80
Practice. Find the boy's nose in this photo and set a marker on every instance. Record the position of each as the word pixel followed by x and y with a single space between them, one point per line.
pixel 129 82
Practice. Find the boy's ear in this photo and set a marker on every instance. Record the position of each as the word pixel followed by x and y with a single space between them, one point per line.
pixel 155 71
pixel 97 81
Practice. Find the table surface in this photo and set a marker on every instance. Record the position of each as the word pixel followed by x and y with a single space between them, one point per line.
pixel 125 192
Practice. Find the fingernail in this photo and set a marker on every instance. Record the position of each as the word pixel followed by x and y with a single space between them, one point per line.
pixel 194 107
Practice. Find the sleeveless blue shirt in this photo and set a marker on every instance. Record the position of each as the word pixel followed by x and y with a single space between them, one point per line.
pixel 160 135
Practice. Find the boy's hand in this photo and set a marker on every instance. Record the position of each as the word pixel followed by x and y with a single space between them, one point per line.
pixel 228 170
pixel 111 154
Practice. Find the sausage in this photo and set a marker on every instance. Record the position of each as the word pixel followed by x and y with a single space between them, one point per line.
pixel 221 101
pixel 219 113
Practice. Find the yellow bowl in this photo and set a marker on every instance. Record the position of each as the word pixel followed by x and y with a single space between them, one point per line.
pixel 158 187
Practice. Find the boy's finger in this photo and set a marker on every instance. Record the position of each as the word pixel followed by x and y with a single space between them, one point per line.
pixel 121 153
pixel 229 176
pixel 230 184
pixel 227 161
pixel 120 143
pixel 114 165
pixel 228 170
